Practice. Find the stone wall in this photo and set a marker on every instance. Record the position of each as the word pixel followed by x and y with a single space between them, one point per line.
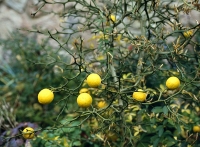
pixel 16 14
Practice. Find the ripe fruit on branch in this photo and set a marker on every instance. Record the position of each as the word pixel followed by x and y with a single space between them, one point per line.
pixel 139 96
pixel 45 96
pixel 28 133
pixel 93 80
pixel 196 129
pixel 84 100
pixel 173 83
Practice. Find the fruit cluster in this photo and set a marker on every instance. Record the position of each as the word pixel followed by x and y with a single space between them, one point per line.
pixel 84 99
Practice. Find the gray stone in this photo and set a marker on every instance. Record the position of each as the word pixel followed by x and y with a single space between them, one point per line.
pixel 17 5
pixel 9 21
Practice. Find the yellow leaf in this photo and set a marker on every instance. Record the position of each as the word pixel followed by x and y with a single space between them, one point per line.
pixel 162 87
pixel 124 76
pixel 140 90
pixel 186 110
pixel 190 94
pixel 113 17
pixel 136 133
pixel 136 128
pixel 101 57
pixel 56 138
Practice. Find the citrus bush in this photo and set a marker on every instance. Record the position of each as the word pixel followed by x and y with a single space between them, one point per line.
pixel 147 74
pixel 148 89
pixel 149 84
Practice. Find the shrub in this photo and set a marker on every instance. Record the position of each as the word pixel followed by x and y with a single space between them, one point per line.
pixel 104 38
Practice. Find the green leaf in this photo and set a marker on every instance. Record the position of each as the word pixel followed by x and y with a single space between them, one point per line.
pixel 165 110
pixel 74 123
pixel 76 143
pixel 167 133
pixel 160 131
pixel 153 120
pixel 165 122
pixel 141 144
pixel 155 143
pixel 178 128
pixel 169 141
pixel 154 138
pixel 68 130
pixel 170 121
pixel 157 109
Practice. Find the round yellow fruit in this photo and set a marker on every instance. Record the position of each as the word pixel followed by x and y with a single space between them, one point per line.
pixel 139 96
pixel 173 83
pixel 45 96
pixel 102 104
pixel 93 80
pixel 196 129
pixel 84 90
pixel 84 100
pixel 28 133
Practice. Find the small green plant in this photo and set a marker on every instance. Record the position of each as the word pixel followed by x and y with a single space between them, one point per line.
pixel 20 81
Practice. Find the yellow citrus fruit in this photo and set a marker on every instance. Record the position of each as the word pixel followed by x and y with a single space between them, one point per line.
pixel 93 80
pixel 84 90
pixel 45 96
pixel 28 133
pixel 196 129
pixel 139 96
pixel 102 104
pixel 84 100
pixel 172 83
pixel 113 17
pixel 188 33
